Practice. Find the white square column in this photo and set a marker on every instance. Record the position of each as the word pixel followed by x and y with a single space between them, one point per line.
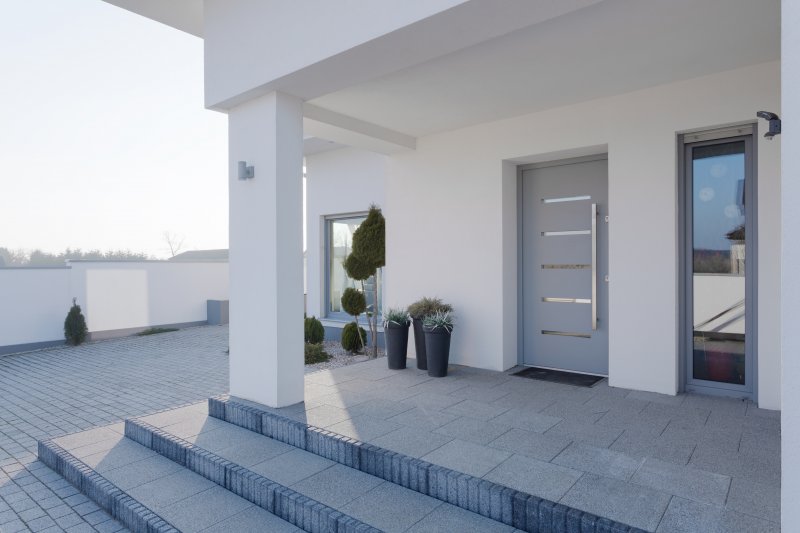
pixel 790 265
pixel 266 250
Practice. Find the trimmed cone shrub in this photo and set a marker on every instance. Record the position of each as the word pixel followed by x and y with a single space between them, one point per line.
pixel 353 301
pixel 314 331
pixel 369 239
pixel 75 330
pixel 350 337
pixel 357 268
pixel 315 353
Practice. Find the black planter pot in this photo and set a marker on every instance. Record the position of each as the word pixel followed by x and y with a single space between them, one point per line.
pixel 396 345
pixel 419 344
pixel 437 348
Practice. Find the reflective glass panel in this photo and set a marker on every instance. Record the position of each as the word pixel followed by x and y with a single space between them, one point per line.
pixel 718 245
pixel 340 242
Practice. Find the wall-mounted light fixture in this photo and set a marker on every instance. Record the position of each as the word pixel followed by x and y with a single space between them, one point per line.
pixel 245 172
pixel 773 121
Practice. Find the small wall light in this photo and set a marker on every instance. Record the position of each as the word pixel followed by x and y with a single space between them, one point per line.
pixel 773 121
pixel 245 172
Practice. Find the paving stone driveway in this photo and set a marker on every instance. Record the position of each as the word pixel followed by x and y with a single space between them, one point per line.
pixel 63 390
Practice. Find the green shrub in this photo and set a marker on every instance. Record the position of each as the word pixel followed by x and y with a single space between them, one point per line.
pixel 315 353
pixel 369 239
pixel 396 316
pixel 428 306
pixel 75 330
pixel 353 337
pixel 353 301
pixel 154 331
pixel 314 332
pixel 356 268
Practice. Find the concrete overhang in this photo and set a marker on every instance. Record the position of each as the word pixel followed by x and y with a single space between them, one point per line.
pixel 185 15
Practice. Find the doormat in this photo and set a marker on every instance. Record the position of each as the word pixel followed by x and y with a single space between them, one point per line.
pixel 558 376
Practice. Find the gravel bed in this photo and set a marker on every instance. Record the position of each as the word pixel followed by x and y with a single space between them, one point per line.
pixel 339 357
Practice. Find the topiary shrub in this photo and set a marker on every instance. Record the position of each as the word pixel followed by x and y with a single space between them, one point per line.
pixel 75 330
pixel 353 302
pixel 315 353
pixel 352 337
pixel 314 331
pixel 428 306
pixel 369 239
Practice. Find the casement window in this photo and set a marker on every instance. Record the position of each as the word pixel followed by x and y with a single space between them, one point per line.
pixel 338 244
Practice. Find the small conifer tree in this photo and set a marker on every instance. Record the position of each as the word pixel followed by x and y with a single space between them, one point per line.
pixel 368 255
pixel 75 330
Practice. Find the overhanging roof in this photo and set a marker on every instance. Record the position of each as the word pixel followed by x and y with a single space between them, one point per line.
pixel 185 15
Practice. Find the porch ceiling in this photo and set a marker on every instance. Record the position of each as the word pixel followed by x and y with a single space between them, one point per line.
pixel 609 48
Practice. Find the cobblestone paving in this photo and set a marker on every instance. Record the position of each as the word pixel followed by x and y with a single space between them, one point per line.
pixel 57 391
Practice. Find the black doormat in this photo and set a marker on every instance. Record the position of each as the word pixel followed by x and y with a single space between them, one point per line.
pixel 558 376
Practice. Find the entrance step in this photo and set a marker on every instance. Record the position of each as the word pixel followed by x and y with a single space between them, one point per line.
pixel 249 463
pixel 147 492
pixel 236 466
pixel 480 497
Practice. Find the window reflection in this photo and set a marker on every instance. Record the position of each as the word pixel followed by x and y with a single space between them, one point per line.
pixel 718 242
pixel 340 242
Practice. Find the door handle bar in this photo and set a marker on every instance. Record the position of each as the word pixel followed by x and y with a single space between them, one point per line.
pixel 594 267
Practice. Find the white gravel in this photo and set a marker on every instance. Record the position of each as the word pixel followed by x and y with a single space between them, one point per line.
pixel 339 357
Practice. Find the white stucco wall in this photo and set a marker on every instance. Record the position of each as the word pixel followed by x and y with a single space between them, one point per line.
pixel 112 295
pixel 451 210
pixel 123 295
pixel 35 303
pixel 338 182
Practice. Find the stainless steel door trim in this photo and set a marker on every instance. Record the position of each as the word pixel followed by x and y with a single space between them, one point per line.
pixel 566 334
pixel 594 267
pixel 566 266
pixel 567 233
pixel 565 199
pixel 567 300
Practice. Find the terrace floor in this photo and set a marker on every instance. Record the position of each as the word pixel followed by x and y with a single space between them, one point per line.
pixel 662 463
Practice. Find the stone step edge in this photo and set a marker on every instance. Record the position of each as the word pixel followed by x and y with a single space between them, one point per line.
pixel 113 500
pixel 492 500
pixel 285 503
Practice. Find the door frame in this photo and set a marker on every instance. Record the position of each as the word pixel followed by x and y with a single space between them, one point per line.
pixel 747 133
pixel 603 156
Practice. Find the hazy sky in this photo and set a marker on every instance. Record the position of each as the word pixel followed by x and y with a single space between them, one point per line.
pixel 104 141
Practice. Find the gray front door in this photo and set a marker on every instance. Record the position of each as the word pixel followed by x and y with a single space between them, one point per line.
pixel 565 266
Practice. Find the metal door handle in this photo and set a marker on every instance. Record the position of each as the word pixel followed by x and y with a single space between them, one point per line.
pixel 594 267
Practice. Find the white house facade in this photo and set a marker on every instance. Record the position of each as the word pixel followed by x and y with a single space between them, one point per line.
pixel 586 181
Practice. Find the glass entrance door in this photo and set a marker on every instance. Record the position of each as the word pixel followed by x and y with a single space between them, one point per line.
pixel 720 227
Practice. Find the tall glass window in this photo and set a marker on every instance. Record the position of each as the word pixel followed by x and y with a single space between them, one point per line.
pixel 340 243
pixel 719 233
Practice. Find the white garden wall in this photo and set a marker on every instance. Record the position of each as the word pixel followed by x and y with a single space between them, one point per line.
pixel 451 212
pixel 116 297
pixel 35 302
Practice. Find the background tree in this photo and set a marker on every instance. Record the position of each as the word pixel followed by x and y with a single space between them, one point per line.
pixel 174 243
pixel 367 257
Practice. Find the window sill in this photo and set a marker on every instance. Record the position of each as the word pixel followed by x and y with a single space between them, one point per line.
pixel 336 323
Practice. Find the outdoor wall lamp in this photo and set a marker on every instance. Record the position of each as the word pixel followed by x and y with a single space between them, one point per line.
pixel 774 123
pixel 245 172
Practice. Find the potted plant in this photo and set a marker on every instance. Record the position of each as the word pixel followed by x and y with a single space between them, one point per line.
pixel 418 311
pixel 395 330
pixel 438 327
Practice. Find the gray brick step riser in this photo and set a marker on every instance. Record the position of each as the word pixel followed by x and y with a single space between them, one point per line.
pixel 492 500
pixel 285 503
pixel 113 500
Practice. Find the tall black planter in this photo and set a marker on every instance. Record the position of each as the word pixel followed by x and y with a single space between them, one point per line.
pixel 419 344
pixel 437 348
pixel 396 345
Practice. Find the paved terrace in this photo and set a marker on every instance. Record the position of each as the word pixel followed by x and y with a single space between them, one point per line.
pixel 686 463
pixel 52 392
